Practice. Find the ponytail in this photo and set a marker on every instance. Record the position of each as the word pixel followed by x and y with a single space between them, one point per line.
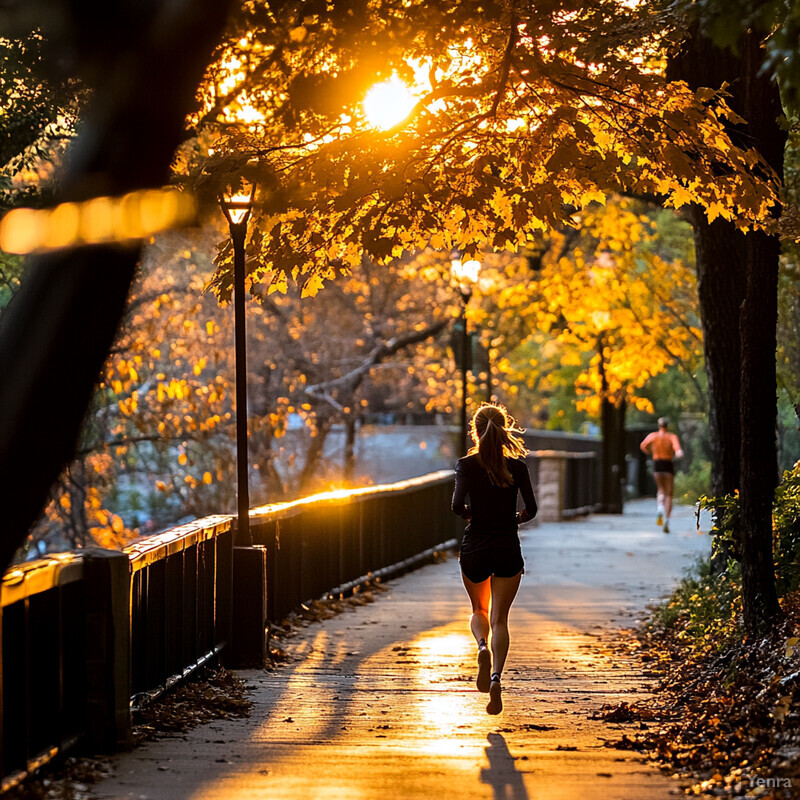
pixel 490 451
pixel 493 433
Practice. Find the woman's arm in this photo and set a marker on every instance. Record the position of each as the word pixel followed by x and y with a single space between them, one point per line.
pixel 526 490
pixel 458 503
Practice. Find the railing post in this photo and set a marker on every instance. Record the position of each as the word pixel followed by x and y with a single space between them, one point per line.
pixel 108 666
pixel 249 634
pixel 552 468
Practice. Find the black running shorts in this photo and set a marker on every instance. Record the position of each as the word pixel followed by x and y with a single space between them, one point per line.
pixel 663 465
pixel 484 555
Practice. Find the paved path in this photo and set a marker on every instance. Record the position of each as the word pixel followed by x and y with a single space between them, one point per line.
pixel 379 702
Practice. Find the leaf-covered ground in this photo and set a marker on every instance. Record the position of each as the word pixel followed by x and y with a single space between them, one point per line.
pixel 215 694
pixel 219 695
pixel 724 720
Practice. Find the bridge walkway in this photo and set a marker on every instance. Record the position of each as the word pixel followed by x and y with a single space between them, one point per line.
pixel 379 701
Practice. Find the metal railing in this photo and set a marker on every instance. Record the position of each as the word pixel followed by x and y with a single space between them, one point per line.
pixel 180 602
pixel 43 663
pixel 90 634
pixel 330 542
pixel 581 485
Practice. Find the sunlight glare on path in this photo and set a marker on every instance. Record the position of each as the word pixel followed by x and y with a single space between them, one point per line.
pixel 442 710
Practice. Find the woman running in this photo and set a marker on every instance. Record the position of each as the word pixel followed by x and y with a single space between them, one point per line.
pixel 492 474
pixel 664 447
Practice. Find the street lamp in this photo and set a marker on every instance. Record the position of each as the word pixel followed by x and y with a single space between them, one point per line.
pixel 465 275
pixel 237 208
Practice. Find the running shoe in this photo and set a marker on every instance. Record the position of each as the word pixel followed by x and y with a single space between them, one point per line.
pixel 495 705
pixel 666 527
pixel 484 670
pixel 660 519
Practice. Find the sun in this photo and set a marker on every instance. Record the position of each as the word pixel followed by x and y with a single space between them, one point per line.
pixel 388 103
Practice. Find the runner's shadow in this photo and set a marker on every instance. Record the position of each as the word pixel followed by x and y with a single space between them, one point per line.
pixel 502 773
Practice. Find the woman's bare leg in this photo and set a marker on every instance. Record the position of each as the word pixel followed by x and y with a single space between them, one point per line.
pixel 479 595
pixel 504 590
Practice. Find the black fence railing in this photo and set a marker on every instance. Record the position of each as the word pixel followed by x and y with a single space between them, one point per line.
pixel 43 663
pixel 330 542
pixel 180 602
pixel 91 634
pixel 581 484
pixel 88 634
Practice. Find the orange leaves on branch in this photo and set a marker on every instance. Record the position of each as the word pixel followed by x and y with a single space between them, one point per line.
pixel 602 297
pixel 496 150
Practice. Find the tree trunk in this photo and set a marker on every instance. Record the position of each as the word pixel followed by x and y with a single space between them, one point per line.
pixel 721 279
pixel 56 333
pixel 748 295
pixel 314 452
pixel 612 428
pixel 759 469
pixel 758 400
pixel 350 421
pixel 721 282
pixel 614 468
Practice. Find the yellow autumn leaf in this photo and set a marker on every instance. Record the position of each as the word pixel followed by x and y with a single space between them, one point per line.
pixel 279 284
pixel 714 210
pixel 704 94
pixel 679 196
pixel 312 286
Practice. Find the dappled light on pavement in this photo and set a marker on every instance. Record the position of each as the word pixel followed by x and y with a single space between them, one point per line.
pixel 443 712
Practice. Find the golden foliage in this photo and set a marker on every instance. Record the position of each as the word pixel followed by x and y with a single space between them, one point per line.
pixel 513 131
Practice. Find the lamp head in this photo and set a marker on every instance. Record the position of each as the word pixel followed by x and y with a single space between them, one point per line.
pixel 465 274
pixel 237 202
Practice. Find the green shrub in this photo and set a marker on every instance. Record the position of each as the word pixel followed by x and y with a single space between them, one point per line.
pixel 785 530
pixel 693 484
pixel 705 608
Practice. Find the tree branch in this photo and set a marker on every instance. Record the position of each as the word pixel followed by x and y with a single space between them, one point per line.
pixel 352 379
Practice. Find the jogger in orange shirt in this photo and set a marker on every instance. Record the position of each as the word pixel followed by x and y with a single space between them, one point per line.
pixel 664 447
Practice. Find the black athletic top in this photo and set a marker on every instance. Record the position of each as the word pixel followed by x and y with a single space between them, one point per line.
pixel 492 509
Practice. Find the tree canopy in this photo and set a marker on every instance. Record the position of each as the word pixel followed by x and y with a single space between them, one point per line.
pixel 605 306
pixel 522 116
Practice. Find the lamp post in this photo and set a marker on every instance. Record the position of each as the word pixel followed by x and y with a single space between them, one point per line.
pixel 465 275
pixel 237 209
